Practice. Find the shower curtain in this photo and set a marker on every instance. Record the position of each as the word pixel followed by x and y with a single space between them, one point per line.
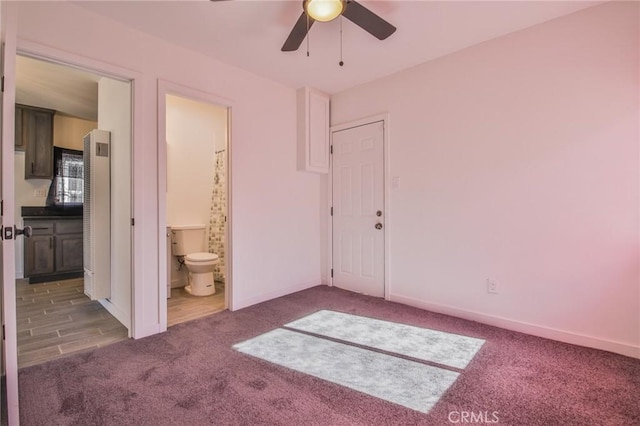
pixel 218 212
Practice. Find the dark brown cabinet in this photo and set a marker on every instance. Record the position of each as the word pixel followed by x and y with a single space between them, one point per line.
pixel 54 251
pixel 68 245
pixel 34 134
pixel 39 255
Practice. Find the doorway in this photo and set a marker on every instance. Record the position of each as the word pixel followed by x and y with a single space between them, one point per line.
pixel 358 208
pixel 54 317
pixel 196 132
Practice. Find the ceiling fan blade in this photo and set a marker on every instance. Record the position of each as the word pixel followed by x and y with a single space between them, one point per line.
pixel 298 33
pixel 367 20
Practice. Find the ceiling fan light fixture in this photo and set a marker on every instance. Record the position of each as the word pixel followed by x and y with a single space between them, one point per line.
pixel 324 10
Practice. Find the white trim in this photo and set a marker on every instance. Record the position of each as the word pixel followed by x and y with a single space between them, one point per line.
pixel 228 240
pixel 68 59
pixel 330 220
pixel 162 206
pixel 139 324
pixel 9 316
pixel 275 294
pixel 523 327
pixel 387 205
pixel 385 118
pixel 361 122
pixel 166 87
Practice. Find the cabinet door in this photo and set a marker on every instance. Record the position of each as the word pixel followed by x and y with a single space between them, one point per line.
pixel 318 151
pixel 38 255
pixel 37 127
pixel 313 130
pixel 68 252
pixel 19 142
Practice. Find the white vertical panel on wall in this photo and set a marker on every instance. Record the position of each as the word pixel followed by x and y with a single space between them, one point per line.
pixel 313 130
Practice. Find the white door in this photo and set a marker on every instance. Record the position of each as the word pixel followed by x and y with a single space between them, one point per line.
pixel 358 209
pixel 8 220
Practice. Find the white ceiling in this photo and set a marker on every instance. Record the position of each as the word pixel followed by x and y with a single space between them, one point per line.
pixel 249 34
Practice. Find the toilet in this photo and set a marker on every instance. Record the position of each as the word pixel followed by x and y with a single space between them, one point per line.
pixel 188 245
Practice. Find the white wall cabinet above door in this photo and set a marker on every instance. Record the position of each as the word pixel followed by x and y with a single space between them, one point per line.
pixel 313 130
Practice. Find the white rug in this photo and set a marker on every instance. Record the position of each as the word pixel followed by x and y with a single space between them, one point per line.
pixel 408 383
pixel 447 349
pixel 412 384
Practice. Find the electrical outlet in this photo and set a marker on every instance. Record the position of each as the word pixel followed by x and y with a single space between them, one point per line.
pixel 492 286
pixel 40 193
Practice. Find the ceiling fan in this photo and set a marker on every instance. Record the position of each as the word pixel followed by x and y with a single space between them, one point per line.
pixel 328 10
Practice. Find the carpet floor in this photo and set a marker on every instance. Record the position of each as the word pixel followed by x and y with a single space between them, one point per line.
pixel 192 375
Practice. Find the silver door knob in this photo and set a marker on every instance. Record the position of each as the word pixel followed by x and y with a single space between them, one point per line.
pixel 378 226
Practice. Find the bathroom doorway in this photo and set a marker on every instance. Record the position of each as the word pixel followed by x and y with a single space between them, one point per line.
pixel 196 132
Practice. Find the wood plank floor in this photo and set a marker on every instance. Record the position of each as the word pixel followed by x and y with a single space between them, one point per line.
pixel 56 319
pixel 182 306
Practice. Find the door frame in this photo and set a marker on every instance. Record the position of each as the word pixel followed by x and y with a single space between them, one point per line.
pixel 137 327
pixel 386 190
pixel 9 357
pixel 165 88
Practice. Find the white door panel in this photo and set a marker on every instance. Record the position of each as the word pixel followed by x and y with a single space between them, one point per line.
pixel 358 195
pixel 8 220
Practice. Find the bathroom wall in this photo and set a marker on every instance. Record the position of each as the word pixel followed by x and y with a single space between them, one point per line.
pixel 195 131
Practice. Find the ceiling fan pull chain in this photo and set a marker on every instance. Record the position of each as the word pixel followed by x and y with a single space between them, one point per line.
pixel 341 63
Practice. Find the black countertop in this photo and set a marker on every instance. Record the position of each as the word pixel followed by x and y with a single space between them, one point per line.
pixel 52 211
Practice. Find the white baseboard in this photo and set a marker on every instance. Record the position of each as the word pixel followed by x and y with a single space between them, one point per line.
pixel 176 283
pixel 120 315
pixel 523 327
pixel 243 303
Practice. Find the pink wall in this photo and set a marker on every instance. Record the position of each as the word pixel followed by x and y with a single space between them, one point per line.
pixel 275 209
pixel 518 160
